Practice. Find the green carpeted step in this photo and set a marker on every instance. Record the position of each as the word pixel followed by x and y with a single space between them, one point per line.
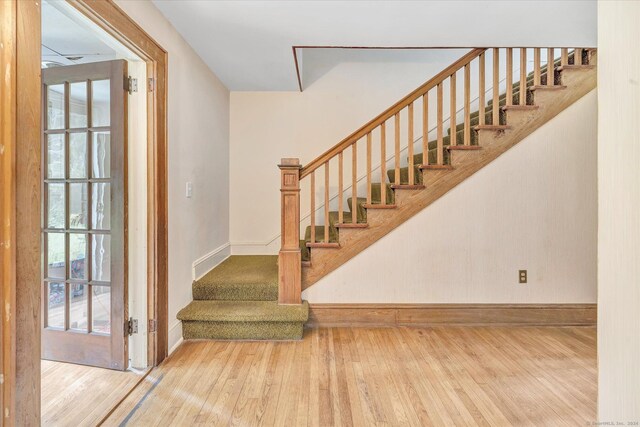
pixel 240 277
pixel 433 156
pixel 376 192
pixel 360 209
pixel 404 177
pixel 333 234
pixel 304 251
pixel 346 218
pixel 254 320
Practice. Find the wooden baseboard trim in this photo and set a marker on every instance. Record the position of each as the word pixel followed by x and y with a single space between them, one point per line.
pixel 353 315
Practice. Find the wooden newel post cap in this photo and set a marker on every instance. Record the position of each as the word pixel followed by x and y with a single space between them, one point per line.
pixel 289 163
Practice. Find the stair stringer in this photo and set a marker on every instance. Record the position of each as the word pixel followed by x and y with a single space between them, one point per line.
pixel 550 101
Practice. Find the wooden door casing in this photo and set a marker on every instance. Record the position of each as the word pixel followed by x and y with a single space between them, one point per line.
pixel 88 346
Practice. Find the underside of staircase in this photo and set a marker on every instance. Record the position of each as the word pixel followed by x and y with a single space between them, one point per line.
pixel 258 297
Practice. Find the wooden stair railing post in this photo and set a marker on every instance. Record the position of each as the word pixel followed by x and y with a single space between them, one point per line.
pixel 290 257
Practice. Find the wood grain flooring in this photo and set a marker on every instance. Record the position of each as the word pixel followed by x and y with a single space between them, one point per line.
pixel 77 395
pixel 441 376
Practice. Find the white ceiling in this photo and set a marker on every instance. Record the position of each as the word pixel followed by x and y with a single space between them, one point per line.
pixel 70 38
pixel 248 44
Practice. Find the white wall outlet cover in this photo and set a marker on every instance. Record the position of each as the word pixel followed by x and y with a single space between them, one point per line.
pixel 189 191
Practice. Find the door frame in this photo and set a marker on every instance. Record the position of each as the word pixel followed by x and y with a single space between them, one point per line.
pixel 20 199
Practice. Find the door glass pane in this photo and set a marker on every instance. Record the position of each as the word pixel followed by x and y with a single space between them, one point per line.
pixel 78 105
pixel 56 303
pixel 78 205
pixel 55 106
pixel 77 256
pixel 78 155
pixel 78 307
pixel 55 204
pixel 55 156
pixel 101 257
pixel 100 103
pixel 101 155
pixel 101 206
pixel 55 255
pixel 101 309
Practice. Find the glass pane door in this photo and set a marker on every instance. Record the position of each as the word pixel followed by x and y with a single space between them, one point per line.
pixel 83 225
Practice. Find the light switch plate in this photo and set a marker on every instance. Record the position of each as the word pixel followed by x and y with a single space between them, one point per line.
pixel 189 191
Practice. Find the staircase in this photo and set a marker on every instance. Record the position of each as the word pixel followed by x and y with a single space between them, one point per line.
pixel 259 297
pixel 411 184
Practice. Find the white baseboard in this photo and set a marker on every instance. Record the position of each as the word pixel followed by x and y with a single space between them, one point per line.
pixel 206 263
pixel 175 336
pixel 256 248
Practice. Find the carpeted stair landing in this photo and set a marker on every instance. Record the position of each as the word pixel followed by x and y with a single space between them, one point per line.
pixel 238 300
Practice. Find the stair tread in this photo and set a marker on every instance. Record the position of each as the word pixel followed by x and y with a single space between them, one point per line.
pixel 240 277
pixel 243 311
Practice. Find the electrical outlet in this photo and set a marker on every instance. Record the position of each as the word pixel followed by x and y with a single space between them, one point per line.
pixel 189 190
pixel 522 276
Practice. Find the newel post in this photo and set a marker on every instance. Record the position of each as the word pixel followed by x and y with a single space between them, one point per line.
pixel 290 258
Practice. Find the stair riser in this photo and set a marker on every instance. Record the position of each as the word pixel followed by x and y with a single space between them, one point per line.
pixel 404 179
pixel 243 330
pixel 518 118
pixel 259 293
pixel 571 77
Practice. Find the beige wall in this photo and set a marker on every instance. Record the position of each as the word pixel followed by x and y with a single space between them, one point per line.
pixel 618 214
pixel 198 114
pixel 534 208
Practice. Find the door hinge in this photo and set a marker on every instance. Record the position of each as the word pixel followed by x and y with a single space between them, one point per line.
pixel 131 326
pixel 152 84
pixel 152 325
pixel 132 85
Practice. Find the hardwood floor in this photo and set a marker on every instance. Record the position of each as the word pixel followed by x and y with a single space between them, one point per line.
pixel 440 376
pixel 76 395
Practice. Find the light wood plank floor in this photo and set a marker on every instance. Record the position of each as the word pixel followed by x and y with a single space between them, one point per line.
pixel 76 395
pixel 441 376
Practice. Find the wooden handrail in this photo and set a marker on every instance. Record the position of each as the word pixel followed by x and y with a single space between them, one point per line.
pixel 389 112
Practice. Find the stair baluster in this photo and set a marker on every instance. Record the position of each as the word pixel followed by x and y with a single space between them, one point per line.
pixel 439 125
pixel 354 181
pixel 312 179
pixel 425 129
pixel 523 76
pixel 495 119
pixel 383 164
pixel 509 97
pixel 452 114
pixel 550 67
pixel 410 144
pixel 467 104
pixel 340 189
pixel 397 148
pixel 536 66
pixel 577 56
pixel 369 168
pixel 481 90
pixel 326 202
